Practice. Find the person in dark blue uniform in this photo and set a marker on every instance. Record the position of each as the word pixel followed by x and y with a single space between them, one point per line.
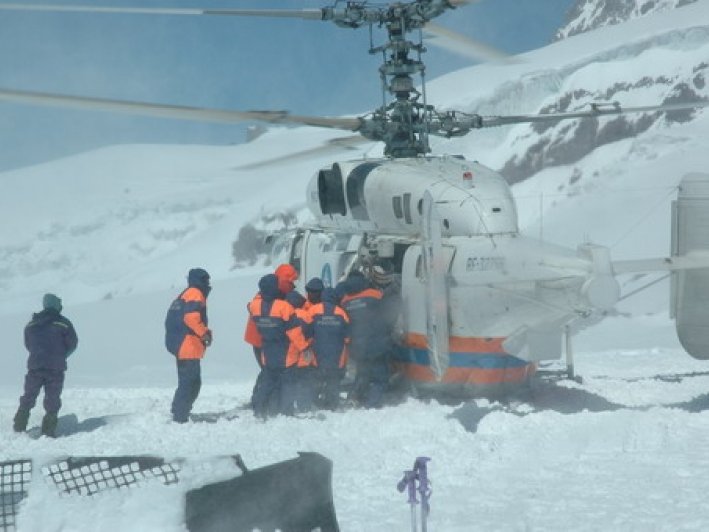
pixel 50 338
pixel 370 345
pixel 329 328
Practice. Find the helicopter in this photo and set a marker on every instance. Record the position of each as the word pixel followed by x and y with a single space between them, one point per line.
pixel 483 304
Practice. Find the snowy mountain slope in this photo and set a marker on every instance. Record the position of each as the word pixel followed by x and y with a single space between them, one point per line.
pixel 587 15
pixel 657 59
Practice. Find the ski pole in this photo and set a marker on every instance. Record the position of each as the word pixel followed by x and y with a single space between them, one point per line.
pixel 409 483
pixel 424 488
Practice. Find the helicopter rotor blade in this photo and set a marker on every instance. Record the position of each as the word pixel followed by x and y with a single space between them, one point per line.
pixel 460 44
pixel 331 146
pixel 308 14
pixel 597 109
pixel 176 111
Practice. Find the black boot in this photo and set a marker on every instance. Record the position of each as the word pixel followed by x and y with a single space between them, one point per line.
pixel 49 425
pixel 20 421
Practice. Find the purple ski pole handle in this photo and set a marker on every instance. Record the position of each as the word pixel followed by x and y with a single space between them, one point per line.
pixel 409 482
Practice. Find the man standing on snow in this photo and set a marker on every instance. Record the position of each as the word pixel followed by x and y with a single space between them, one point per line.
pixel 187 337
pixel 50 338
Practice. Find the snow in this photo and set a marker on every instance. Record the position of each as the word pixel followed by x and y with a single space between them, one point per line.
pixel 114 231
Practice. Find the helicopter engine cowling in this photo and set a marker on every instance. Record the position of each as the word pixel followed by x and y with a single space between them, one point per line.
pixel 386 195
pixel 690 288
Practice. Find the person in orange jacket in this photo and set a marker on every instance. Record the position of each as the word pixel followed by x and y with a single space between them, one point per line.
pixel 287 275
pixel 282 341
pixel 313 289
pixel 306 376
pixel 187 337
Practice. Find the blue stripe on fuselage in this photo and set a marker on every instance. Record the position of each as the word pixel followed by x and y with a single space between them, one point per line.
pixel 412 355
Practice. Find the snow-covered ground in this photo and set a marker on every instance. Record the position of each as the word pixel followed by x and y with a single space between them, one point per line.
pixel 114 231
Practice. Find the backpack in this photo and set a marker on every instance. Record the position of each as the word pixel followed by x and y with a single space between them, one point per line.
pixel 175 327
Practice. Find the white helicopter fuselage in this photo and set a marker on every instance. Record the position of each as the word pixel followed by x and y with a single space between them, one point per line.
pixel 482 304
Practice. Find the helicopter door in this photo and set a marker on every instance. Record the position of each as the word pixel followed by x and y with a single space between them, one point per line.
pixel 435 264
pixel 327 255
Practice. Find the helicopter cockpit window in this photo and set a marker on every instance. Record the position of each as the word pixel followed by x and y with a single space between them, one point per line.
pixel 355 190
pixel 297 251
pixel 396 205
pixel 407 208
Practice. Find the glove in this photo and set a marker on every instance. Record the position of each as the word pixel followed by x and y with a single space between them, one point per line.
pixel 207 338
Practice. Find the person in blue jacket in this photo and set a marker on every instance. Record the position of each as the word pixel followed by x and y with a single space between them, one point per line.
pixel 329 328
pixel 370 340
pixel 50 338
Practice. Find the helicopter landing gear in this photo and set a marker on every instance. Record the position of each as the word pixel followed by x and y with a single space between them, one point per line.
pixel 570 372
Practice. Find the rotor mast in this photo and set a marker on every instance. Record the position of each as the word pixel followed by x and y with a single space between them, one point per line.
pixel 403 124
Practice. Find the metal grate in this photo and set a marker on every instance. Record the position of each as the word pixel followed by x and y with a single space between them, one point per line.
pixel 84 476
pixel 87 476
pixel 15 477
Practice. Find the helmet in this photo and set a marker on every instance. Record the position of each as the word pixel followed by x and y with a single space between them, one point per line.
pixel 286 272
pixel 286 275
pixel 198 277
pixel 380 276
pixel 51 301
pixel 315 285
pixel 268 286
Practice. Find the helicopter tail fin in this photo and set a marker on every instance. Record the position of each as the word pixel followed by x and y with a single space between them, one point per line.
pixel 689 292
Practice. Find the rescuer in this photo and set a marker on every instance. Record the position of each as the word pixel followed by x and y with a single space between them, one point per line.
pixel 187 337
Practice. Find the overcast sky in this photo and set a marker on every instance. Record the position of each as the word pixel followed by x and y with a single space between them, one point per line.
pixel 307 67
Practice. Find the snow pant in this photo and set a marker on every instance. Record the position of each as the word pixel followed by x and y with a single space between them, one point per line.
pixel 371 381
pixel 307 388
pixel 329 380
pixel 189 382
pixel 278 385
pixel 53 382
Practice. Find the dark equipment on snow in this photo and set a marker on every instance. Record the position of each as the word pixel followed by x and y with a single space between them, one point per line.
pixel 409 483
pixel 292 496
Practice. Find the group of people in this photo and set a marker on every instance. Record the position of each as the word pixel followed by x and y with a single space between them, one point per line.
pixel 301 343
